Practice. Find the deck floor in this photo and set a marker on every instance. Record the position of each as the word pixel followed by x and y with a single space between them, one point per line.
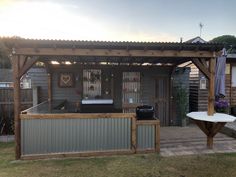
pixel 191 140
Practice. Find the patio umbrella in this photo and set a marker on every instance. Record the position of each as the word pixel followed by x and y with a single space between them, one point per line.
pixel 220 74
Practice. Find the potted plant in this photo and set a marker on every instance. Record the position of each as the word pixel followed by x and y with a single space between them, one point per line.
pixel 182 104
pixel 222 106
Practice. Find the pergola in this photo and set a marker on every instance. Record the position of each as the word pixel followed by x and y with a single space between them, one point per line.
pixel 26 52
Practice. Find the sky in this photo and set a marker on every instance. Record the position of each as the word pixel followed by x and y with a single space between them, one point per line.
pixel 117 20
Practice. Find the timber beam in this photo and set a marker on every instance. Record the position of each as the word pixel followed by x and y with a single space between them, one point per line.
pixel 113 52
pixel 17 104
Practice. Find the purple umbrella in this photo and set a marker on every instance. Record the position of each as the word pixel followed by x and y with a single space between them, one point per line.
pixel 220 74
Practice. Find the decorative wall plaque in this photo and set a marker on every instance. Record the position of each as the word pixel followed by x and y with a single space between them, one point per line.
pixel 66 80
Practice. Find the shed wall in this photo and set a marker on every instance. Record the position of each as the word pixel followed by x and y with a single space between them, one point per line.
pixel 148 76
pixel 39 79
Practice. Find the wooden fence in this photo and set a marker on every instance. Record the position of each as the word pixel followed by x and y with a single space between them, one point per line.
pixel 6 108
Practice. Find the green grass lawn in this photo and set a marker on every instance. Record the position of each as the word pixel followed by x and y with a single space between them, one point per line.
pixel 148 165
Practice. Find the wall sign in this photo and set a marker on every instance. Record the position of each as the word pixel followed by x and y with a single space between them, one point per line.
pixel 66 80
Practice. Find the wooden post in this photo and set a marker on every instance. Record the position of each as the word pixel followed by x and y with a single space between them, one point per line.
pixel 211 88
pixel 16 80
pixel 157 137
pixel 209 142
pixel 49 86
pixel 133 134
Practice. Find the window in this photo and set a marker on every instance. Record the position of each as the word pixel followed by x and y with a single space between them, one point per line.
pixel 92 83
pixel 233 76
pixel 6 84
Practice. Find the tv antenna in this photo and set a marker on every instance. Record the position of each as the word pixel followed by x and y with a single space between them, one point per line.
pixel 201 26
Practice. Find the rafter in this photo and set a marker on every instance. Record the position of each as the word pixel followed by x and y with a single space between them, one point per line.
pixel 203 61
pixel 22 61
pixel 201 67
pixel 27 65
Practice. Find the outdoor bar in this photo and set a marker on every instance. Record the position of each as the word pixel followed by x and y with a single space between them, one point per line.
pixel 93 91
pixel 93 115
pixel 49 132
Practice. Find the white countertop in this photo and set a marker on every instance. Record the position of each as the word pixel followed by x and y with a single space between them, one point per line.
pixel 97 101
pixel 217 117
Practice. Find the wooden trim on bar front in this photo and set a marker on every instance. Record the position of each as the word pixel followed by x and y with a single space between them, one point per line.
pixel 141 151
pixel 148 122
pixel 76 154
pixel 134 134
pixel 77 115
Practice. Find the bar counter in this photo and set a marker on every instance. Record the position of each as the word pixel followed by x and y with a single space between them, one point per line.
pixel 64 106
pixel 50 130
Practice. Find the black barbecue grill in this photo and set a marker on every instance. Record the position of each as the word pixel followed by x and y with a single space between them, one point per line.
pixel 145 112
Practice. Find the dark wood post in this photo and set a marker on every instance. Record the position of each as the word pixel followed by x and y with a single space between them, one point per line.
pixel 133 134
pixel 211 88
pixel 16 80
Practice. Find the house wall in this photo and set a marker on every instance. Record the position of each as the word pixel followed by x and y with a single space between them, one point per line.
pixel 233 90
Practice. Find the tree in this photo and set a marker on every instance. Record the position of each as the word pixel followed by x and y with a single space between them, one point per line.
pixel 4 58
pixel 228 40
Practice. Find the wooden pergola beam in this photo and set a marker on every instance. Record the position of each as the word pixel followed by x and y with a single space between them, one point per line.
pixel 113 52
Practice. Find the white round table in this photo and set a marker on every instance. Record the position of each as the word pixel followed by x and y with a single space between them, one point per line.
pixel 210 125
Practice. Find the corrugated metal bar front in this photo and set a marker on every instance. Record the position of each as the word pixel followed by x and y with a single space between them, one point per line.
pixel 43 136
pixel 145 137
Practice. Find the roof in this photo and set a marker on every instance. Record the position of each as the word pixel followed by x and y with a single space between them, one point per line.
pixel 196 40
pixel 232 56
pixel 46 43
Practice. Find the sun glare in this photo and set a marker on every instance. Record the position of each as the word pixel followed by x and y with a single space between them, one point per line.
pixel 48 20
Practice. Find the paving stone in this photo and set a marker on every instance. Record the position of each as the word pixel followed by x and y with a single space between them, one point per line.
pixel 191 140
